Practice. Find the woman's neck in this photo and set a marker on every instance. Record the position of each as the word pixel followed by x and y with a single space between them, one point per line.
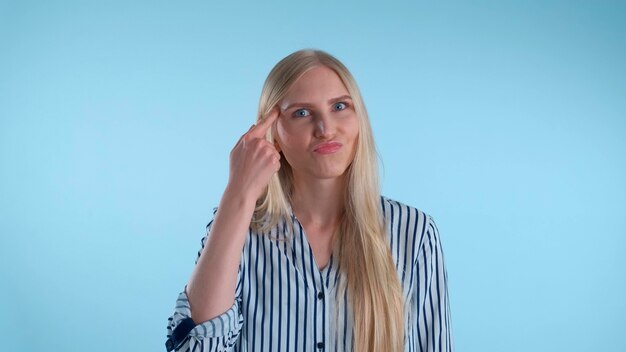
pixel 319 203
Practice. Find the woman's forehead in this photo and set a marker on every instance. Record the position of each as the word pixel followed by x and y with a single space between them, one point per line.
pixel 317 86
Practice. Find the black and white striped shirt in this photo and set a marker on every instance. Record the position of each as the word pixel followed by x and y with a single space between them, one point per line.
pixel 284 302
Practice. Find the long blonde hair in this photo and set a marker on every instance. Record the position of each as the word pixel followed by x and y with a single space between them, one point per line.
pixel 374 288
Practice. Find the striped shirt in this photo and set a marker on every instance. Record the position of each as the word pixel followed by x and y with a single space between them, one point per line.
pixel 284 302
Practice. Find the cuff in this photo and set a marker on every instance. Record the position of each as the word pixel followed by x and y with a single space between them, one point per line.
pixel 219 326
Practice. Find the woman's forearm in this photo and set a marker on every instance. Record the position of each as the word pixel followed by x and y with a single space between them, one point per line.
pixel 211 289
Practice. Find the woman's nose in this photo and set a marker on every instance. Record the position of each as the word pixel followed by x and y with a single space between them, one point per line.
pixel 323 127
pixel 320 126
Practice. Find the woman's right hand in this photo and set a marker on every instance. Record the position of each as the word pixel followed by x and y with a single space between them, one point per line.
pixel 254 160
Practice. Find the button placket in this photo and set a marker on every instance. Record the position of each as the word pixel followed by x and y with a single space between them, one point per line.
pixel 322 312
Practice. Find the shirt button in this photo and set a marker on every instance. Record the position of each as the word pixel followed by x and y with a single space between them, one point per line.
pixel 320 295
pixel 320 345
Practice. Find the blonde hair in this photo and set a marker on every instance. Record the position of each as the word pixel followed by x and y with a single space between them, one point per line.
pixel 373 286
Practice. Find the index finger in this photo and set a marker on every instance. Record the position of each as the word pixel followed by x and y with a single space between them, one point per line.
pixel 259 130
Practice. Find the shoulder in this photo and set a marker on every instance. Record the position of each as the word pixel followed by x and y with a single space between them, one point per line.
pixel 394 210
pixel 407 225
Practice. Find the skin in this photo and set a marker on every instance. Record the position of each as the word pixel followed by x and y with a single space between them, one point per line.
pixel 319 183
pixel 319 179
pixel 253 160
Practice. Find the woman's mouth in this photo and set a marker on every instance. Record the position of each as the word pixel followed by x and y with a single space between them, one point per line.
pixel 327 148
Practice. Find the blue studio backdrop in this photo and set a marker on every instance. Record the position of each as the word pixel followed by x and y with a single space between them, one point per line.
pixel 504 120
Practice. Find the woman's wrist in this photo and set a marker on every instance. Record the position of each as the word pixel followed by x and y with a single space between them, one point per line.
pixel 238 198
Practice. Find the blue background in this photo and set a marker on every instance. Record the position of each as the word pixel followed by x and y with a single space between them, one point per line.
pixel 504 120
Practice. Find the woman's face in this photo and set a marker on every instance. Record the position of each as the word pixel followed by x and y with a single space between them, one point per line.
pixel 317 129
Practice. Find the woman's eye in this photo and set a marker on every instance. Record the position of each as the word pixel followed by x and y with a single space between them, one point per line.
pixel 341 106
pixel 302 113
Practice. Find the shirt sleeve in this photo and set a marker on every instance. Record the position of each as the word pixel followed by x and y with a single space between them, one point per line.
pixel 433 326
pixel 218 334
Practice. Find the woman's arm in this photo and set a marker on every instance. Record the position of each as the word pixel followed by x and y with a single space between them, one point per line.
pixel 211 289
pixel 218 334
pixel 207 315
pixel 253 160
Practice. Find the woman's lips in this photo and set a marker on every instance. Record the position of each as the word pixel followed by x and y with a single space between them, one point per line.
pixel 328 148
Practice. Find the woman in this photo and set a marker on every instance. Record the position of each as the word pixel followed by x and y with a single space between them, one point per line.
pixel 303 252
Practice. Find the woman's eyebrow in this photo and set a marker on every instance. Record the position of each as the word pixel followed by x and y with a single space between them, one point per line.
pixel 330 101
